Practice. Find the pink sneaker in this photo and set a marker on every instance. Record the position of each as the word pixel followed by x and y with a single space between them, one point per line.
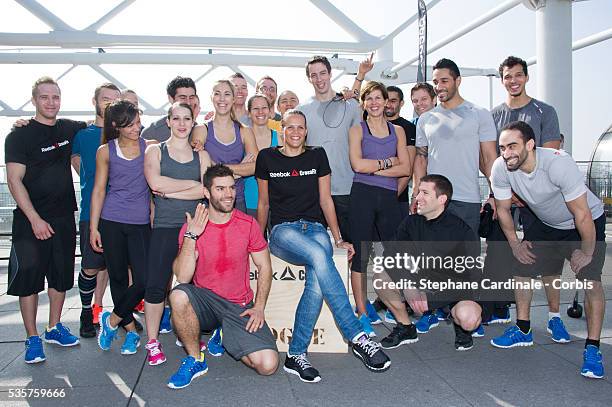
pixel 155 353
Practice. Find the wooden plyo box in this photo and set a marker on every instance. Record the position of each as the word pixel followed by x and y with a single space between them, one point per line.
pixel 287 288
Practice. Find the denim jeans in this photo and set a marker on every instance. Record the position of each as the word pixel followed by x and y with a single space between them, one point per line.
pixel 307 243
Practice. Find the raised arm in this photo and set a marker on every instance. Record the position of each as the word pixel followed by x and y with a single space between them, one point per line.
pixel 184 265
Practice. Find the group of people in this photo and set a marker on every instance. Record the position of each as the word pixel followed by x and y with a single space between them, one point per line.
pixel 192 202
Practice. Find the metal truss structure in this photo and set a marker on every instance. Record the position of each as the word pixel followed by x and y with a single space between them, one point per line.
pixel 88 47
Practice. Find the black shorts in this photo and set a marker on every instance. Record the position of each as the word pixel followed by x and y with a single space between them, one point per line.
pixel 214 311
pixel 32 259
pixel 448 298
pixel 90 259
pixel 553 246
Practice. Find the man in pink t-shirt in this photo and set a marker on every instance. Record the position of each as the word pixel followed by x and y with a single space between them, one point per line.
pixel 214 292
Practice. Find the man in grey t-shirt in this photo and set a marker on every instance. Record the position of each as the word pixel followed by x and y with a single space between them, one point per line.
pixel 179 89
pixel 329 118
pixel 455 139
pixel 542 118
pixel 570 225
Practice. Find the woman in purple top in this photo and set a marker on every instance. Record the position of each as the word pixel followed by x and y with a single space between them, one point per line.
pixel 379 156
pixel 226 140
pixel 120 218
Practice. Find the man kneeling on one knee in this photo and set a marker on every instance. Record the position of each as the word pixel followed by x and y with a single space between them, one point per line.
pixel 432 236
pixel 214 292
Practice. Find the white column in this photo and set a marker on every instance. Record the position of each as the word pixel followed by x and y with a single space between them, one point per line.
pixel 554 56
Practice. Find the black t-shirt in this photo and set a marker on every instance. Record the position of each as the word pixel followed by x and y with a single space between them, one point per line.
pixel 293 183
pixel 45 151
pixel 409 129
pixel 453 238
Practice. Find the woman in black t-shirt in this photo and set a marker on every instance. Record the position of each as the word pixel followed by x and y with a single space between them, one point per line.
pixel 295 185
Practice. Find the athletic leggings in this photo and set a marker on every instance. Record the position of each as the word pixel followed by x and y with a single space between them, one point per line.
pixel 162 252
pixel 125 244
pixel 375 215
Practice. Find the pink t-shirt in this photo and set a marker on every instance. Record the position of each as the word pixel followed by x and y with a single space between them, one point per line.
pixel 223 256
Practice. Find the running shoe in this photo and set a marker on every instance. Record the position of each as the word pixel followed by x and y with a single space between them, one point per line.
pixel 34 350
pixel 557 330
pixel 140 307
pixel 215 343
pixel 441 315
pixel 87 328
pixel 130 344
pixel 427 321
pixel 165 326
pixel 300 366
pixel 592 365
pixel 478 332
pixel 365 325
pixel 500 319
pixel 97 310
pixel 463 339
pixel 190 369
pixel 512 337
pixel 60 335
pixel 389 318
pixel 400 335
pixel 372 314
pixel 155 354
pixel 106 334
pixel 370 353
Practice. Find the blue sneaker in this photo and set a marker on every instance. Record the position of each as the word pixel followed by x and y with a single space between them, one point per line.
pixel 365 325
pixel 557 330
pixel 441 315
pixel 372 314
pixel 389 317
pixel 512 337
pixel 478 332
pixel 494 319
pixel 592 366
pixel 106 334
pixel 215 343
pixel 190 369
pixel 165 326
pixel 426 322
pixel 60 335
pixel 34 350
pixel 130 344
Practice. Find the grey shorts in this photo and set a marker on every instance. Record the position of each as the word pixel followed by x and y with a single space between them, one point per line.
pixel 214 311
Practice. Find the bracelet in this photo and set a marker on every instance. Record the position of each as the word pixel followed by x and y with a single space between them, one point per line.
pixel 359 80
pixel 491 195
pixel 190 235
pixel 380 165
pixel 339 241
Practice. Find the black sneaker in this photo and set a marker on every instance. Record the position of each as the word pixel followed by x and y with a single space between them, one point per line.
pixel 401 335
pixel 463 338
pixel 370 353
pixel 300 366
pixel 87 328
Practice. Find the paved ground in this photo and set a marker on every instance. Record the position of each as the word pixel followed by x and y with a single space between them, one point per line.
pixel 429 372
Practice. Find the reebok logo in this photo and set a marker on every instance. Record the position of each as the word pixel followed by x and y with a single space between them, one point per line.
pixel 286 275
pixel 293 173
pixel 54 146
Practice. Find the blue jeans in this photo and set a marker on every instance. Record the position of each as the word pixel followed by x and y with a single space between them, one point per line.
pixel 307 243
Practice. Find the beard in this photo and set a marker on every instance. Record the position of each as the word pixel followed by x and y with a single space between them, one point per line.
pixel 219 206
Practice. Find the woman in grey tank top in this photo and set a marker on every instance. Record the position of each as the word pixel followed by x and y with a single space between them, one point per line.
pixel 174 172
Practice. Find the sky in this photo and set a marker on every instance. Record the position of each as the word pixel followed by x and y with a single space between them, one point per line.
pixel 512 33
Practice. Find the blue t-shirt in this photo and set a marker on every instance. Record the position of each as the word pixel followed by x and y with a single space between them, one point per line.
pixel 251 194
pixel 85 145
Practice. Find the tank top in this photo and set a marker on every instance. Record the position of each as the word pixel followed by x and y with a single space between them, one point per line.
pixel 226 154
pixel 251 194
pixel 169 212
pixel 127 195
pixel 376 148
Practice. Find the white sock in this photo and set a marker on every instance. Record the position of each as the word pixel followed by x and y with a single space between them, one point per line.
pixel 551 315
